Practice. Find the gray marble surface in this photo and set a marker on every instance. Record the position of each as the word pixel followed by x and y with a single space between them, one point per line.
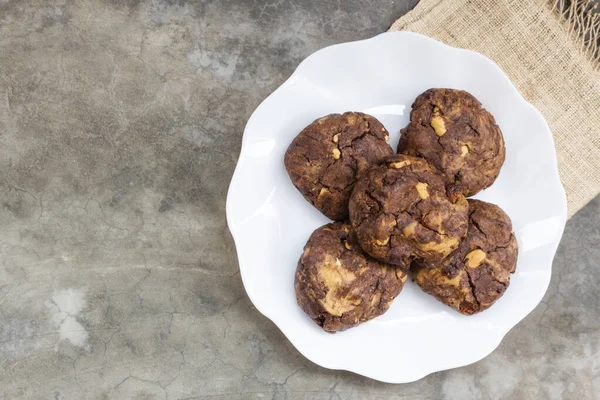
pixel 120 126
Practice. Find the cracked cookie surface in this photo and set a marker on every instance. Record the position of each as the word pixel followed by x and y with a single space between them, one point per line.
pixel 451 130
pixel 400 211
pixel 337 285
pixel 477 274
pixel 326 158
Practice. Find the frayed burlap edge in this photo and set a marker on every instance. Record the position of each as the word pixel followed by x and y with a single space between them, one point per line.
pixel 582 22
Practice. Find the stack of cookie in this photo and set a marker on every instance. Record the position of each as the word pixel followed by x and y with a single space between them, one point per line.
pixel 403 212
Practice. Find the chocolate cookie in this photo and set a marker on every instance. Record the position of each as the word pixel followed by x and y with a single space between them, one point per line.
pixel 400 211
pixel 325 159
pixel 451 130
pixel 476 275
pixel 338 285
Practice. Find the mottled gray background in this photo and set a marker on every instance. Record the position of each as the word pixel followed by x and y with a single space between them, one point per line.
pixel 120 126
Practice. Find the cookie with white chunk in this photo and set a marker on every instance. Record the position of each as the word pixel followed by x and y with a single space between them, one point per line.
pixel 478 273
pixel 337 285
pixel 400 212
pixel 327 157
pixel 451 130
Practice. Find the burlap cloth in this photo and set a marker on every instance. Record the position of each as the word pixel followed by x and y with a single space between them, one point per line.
pixel 550 56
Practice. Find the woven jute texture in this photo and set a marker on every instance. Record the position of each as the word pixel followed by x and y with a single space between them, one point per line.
pixel 550 56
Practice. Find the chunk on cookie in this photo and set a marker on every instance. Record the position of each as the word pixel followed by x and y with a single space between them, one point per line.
pixel 400 212
pixel 326 158
pixel 451 130
pixel 338 285
pixel 477 274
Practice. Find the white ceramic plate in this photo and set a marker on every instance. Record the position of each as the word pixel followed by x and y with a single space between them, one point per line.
pixel 270 220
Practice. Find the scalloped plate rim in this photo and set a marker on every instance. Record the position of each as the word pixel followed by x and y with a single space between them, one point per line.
pixel 233 185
